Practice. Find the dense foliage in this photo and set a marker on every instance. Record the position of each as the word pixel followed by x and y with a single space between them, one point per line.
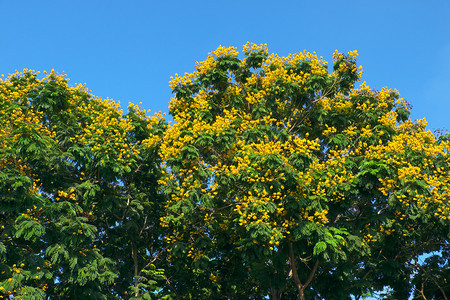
pixel 78 193
pixel 278 178
pixel 286 180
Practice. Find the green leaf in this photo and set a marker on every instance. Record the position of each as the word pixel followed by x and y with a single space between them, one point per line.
pixel 2 248
pixel 319 248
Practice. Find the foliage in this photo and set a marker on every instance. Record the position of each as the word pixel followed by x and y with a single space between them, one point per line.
pixel 79 204
pixel 432 279
pixel 280 177
pixel 284 179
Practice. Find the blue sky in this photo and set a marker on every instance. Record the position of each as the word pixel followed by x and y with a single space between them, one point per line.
pixel 127 50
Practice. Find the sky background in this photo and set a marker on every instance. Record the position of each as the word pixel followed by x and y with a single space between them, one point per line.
pixel 127 50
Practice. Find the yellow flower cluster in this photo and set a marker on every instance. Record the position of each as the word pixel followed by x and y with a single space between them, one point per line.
pixel 224 51
pixel 181 80
pixel 337 55
pixel 249 47
pixel 106 130
pixel 389 119
pixel 353 54
pixel 329 130
pixel 350 131
pixel 67 195
pixel 412 138
pixel 153 122
pixel 202 67
pixel 366 131
pixel 318 217
pixel 15 110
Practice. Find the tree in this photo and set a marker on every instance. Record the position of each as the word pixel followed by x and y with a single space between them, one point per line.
pixel 79 208
pixel 431 281
pixel 284 179
pixel 277 178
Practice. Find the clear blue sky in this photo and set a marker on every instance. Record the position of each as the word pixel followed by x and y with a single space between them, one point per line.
pixel 127 50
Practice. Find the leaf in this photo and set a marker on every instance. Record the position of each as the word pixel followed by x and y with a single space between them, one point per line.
pixel 29 230
pixel 2 248
pixel 73 262
pixel 319 248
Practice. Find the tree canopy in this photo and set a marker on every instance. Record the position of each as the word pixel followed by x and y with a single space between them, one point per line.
pixel 78 193
pixel 286 179
pixel 279 177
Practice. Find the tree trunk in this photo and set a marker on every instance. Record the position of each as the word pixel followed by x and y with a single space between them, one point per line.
pixel 301 287
pixel 301 294
pixel 274 294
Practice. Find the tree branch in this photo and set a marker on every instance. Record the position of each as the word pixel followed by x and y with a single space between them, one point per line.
pixel 294 267
pixel 135 261
pixel 432 278
pixel 311 274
